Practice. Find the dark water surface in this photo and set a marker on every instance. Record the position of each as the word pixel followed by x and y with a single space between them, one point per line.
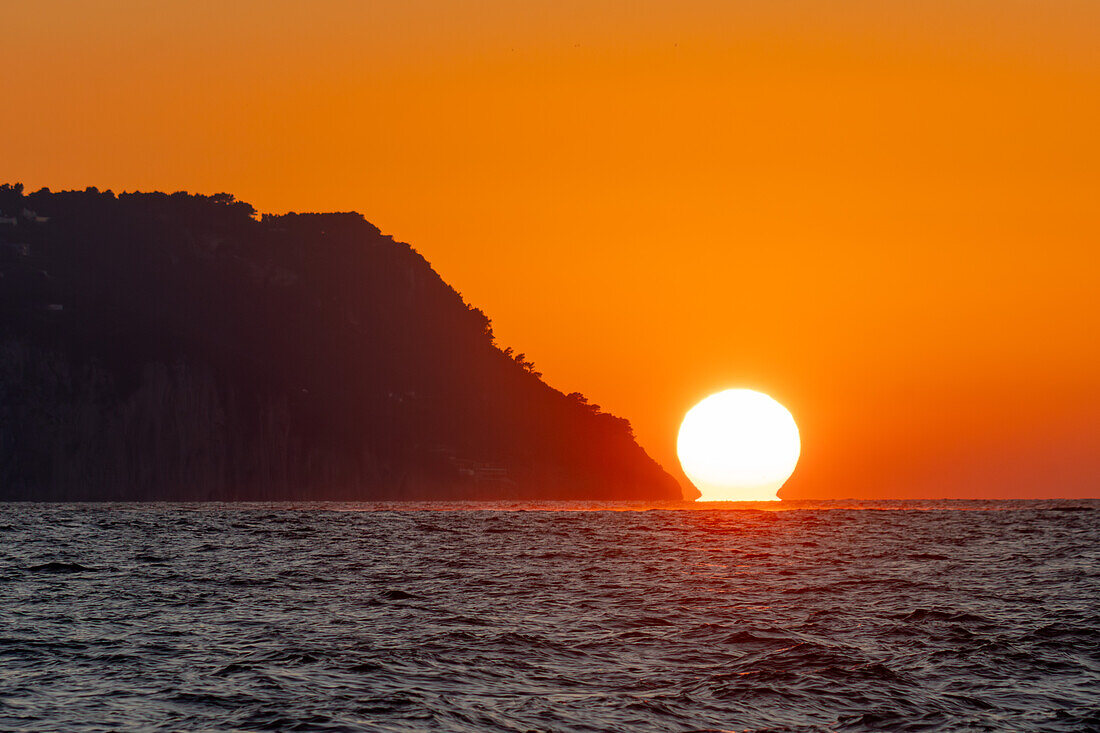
pixel 300 617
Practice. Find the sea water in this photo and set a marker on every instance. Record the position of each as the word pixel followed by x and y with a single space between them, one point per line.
pixel 556 617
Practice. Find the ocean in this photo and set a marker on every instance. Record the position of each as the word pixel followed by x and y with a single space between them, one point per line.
pixel 793 616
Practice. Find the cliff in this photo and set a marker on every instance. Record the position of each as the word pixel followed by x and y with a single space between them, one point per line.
pixel 175 347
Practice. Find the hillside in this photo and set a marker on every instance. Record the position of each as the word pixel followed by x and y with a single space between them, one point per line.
pixel 176 347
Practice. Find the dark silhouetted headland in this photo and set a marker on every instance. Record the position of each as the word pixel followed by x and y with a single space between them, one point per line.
pixel 157 346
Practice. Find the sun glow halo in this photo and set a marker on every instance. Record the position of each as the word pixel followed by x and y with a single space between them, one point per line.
pixel 738 445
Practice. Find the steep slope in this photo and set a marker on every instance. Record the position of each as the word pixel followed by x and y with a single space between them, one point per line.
pixel 157 346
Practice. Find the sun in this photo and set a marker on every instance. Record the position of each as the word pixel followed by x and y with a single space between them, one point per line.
pixel 738 445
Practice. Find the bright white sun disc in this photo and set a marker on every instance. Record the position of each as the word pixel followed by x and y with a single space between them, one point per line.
pixel 738 445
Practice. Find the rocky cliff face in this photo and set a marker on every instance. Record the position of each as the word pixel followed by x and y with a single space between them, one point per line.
pixel 157 346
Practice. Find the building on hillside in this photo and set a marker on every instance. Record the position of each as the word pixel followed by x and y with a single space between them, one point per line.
pixel 15 249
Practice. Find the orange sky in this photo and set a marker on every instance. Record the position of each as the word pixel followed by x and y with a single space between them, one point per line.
pixel 885 215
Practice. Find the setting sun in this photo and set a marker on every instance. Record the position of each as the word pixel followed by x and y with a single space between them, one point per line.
pixel 738 445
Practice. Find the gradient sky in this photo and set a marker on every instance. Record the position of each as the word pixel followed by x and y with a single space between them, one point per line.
pixel 886 215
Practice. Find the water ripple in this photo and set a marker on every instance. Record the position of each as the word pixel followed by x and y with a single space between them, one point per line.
pixel 399 617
